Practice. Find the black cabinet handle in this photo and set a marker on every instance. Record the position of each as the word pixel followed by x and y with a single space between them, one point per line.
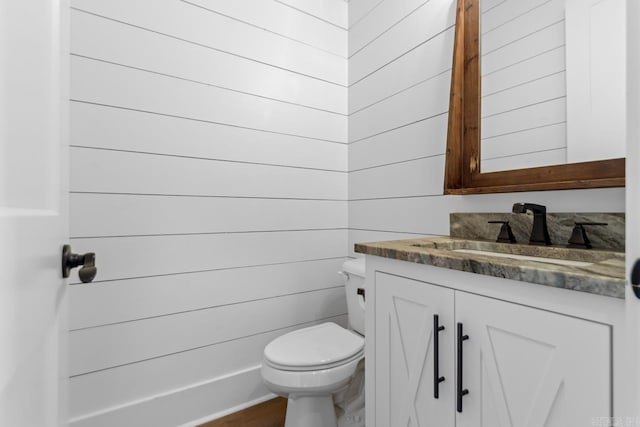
pixel 460 391
pixel 437 379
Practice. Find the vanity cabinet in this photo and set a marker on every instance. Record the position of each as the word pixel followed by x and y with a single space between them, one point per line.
pixel 522 366
pixel 404 353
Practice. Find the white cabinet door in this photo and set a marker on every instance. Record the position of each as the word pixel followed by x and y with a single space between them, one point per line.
pixel 529 367
pixel 404 353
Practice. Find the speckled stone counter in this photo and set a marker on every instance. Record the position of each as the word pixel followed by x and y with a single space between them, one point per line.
pixel 474 225
pixel 603 276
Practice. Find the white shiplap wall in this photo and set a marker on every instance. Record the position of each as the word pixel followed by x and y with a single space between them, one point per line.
pixel 209 174
pixel 399 76
pixel 524 94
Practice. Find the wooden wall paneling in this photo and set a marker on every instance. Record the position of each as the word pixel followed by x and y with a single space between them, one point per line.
pixel 175 293
pixel 211 30
pixel 182 406
pixel 334 11
pixel 408 179
pixel 93 171
pixel 358 9
pixel 210 178
pixel 422 63
pixel 123 129
pixel 271 16
pixel 114 41
pixel 102 83
pixel 128 383
pixel 103 215
pixel 161 255
pixel 417 140
pixel 419 27
pixel 94 349
pixel 379 20
pixel 423 101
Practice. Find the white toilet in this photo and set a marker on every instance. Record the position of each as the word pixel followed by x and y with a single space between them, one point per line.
pixel 314 365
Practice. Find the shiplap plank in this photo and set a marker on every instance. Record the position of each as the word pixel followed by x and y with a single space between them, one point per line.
pixel 126 215
pixel 358 9
pixel 120 129
pixel 93 349
pixel 278 18
pixel 213 30
pixel 530 46
pixel 238 118
pixel 414 178
pixel 131 257
pixel 526 160
pixel 539 90
pixel 103 303
pixel 543 138
pixel 110 84
pixel 427 99
pixel 426 22
pixel 425 215
pixel 101 38
pixel 544 64
pixel 496 16
pixel 422 139
pixel 121 172
pixel 514 27
pixel 104 389
pixel 430 215
pixel 486 5
pixel 379 20
pixel 332 11
pixel 527 117
pixel 418 65
pixel 183 406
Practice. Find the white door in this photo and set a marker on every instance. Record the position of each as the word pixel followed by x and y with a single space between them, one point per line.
pixel 33 211
pixel 528 367
pixel 404 354
pixel 630 402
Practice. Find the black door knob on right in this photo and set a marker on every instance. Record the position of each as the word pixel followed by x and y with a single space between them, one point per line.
pixel 87 262
pixel 635 278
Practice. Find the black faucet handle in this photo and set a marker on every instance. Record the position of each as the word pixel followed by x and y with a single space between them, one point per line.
pixel 579 237
pixel 506 234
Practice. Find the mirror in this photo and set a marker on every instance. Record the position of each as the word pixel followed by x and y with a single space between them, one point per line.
pixel 537 96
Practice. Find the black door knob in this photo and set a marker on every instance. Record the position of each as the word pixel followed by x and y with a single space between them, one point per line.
pixel 70 260
pixel 635 278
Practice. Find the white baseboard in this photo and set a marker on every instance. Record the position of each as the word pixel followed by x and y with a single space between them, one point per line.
pixel 186 406
pixel 229 411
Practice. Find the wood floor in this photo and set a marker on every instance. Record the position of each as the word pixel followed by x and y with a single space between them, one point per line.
pixel 267 414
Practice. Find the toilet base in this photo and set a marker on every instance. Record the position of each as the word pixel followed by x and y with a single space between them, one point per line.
pixel 311 411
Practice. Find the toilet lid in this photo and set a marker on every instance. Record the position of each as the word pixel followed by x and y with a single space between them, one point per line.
pixel 323 344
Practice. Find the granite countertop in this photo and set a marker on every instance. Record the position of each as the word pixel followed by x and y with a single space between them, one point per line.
pixel 604 275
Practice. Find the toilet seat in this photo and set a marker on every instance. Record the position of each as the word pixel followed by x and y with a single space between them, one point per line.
pixel 314 348
pixel 356 356
pixel 328 380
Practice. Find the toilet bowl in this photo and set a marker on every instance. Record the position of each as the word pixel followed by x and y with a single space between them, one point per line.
pixel 313 365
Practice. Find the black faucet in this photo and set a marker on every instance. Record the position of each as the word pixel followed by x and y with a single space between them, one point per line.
pixel 539 231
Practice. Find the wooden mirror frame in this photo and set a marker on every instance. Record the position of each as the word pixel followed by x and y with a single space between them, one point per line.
pixel 462 165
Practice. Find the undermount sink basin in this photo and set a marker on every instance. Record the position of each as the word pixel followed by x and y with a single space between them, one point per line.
pixel 557 255
pixel 526 257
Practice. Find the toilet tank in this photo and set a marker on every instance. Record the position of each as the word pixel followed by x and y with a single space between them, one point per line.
pixel 353 273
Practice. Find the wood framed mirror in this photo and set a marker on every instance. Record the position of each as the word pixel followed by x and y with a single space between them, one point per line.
pixel 463 169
